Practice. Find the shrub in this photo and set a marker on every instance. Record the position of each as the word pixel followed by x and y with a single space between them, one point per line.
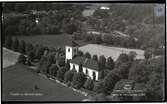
pixel 80 53
pixel 68 76
pixel 60 73
pixel 21 48
pixel 53 70
pixel 87 55
pixel 97 39
pixel 43 67
pixel 78 80
pixel 15 44
pixel 89 84
pixel 31 56
pixel 110 80
pixel 8 42
pixel 102 62
pixel 21 59
pixel 67 65
pixel 95 57
pixel 148 53
pixel 29 47
pixel 121 59
pixel 110 63
pixel 61 62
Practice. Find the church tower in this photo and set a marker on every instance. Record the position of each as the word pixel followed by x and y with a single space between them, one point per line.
pixel 71 50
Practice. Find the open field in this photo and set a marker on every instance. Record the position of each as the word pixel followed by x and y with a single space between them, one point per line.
pixel 107 51
pixel 47 40
pixel 9 57
pixel 18 79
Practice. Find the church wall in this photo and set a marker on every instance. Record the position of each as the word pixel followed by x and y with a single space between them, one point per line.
pixel 90 71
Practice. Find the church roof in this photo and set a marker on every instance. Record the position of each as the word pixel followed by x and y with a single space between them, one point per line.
pixel 88 63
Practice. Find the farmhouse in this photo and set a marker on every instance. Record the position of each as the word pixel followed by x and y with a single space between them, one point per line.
pixel 89 66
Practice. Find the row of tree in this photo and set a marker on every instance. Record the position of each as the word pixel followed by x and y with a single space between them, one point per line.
pixel 51 67
pixel 32 52
pixel 24 7
pixel 111 39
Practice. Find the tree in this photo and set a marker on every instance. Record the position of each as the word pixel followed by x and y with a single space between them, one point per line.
pixel 101 13
pixel 87 55
pixel 138 72
pixel 102 62
pixel 78 80
pixel 80 53
pixel 11 29
pixel 108 39
pixel 15 44
pixel 131 42
pixel 110 63
pixel 8 42
pixel 51 59
pixel 80 67
pixel 43 66
pixel 31 55
pixel 61 62
pixel 97 39
pixel 68 76
pixel 121 59
pixel 22 47
pixel 60 73
pixel 29 47
pixel 39 51
pixel 21 59
pixel 132 56
pixel 53 69
pixel 151 74
pixel 110 80
pixel 103 73
pixel 124 70
pixel 95 57
pixel 89 84
pixel 148 53
pixel 70 28
pixel 67 65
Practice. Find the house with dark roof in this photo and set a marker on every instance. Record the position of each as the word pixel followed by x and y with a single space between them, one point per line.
pixel 90 67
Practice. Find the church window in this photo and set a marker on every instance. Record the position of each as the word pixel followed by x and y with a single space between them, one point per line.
pixel 86 71
pixel 94 76
pixel 68 49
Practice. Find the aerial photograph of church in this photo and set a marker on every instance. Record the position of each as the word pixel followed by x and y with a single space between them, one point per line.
pixel 85 52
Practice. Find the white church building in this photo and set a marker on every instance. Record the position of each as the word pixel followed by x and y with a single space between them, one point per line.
pixel 89 66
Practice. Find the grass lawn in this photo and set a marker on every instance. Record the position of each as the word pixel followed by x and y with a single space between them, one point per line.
pixel 47 40
pixel 18 79
pixel 108 51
